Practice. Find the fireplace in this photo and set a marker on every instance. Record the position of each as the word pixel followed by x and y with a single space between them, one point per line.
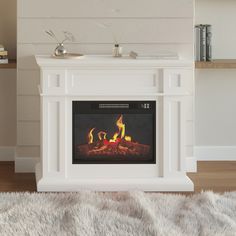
pixel 114 124
pixel 114 132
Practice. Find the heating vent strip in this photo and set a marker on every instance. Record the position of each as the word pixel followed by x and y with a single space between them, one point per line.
pixel 107 106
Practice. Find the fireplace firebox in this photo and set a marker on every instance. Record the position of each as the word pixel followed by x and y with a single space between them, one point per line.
pixel 114 132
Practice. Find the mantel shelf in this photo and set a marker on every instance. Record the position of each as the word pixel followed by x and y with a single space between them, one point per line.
pixel 216 64
pixel 10 65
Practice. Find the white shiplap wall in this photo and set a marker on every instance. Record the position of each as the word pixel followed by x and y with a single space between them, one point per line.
pixel 145 26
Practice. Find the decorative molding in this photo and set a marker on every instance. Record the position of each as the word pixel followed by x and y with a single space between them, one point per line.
pixel 25 164
pixel 7 153
pixel 215 153
pixel 191 164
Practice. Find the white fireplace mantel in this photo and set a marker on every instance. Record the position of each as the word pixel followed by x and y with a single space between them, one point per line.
pixel 168 82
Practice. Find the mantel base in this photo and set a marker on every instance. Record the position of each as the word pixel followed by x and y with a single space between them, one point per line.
pixel 161 184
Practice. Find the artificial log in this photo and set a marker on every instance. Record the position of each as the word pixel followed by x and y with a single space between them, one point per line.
pixel 122 148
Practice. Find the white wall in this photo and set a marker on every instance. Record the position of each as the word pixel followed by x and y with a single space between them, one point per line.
pixel 7 108
pixel 8 82
pixel 216 107
pixel 8 26
pixel 147 27
pixel 215 89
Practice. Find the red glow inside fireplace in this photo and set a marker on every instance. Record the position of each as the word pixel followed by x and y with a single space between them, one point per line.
pixel 112 132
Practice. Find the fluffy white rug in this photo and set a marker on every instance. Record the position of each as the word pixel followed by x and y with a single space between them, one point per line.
pixel 119 214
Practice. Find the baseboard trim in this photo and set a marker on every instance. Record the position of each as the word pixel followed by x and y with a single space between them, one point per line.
pixel 215 153
pixel 202 153
pixel 25 164
pixel 191 164
pixel 7 153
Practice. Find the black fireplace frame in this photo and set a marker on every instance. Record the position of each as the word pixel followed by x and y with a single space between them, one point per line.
pixel 133 102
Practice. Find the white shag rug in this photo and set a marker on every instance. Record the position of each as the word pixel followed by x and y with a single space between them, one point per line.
pixel 118 214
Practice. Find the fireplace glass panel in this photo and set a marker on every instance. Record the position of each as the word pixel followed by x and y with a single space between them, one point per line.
pixel 112 132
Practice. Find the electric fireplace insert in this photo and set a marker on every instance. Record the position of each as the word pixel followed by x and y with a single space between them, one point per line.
pixel 114 132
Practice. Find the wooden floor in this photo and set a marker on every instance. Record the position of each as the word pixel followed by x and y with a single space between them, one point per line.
pixel 218 176
pixel 12 182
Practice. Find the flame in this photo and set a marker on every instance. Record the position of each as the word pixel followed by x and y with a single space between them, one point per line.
pixel 121 126
pixel 121 132
pixel 117 137
pixel 128 138
pixel 114 137
pixel 90 136
pixel 102 135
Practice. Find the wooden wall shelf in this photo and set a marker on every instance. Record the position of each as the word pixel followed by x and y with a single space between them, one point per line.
pixel 216 64
pixel 10 65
